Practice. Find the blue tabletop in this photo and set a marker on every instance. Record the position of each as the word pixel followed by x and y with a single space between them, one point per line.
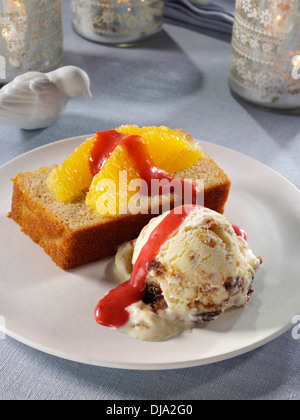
pixel 180 79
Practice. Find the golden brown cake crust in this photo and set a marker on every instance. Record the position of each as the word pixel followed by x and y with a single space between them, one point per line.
pixel 49 222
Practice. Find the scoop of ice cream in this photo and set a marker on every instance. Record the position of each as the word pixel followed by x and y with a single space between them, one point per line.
pixel 202 269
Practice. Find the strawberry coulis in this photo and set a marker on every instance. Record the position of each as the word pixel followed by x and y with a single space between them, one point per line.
pixel 107 141
pixel 103 147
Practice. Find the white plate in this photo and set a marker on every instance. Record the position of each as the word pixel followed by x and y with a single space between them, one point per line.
pixel 52 310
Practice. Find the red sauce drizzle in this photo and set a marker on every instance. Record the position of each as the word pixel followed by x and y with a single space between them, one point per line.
pixel 111 310
pixel 107 141
pixel 103 147
pixel 143 164
pixel 240 232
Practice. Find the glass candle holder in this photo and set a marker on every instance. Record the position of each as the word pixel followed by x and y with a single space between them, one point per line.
pixel 266 53
pixel 117 22
pixel 31 37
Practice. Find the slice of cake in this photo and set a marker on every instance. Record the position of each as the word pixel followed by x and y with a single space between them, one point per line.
pixel 73 230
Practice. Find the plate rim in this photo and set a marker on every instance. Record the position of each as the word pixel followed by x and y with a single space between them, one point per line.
pixel 144 366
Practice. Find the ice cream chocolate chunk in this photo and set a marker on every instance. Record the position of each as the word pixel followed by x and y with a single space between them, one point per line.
pixel 204 267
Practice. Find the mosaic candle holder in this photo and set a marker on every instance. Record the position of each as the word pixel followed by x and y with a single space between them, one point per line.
pixel 117 22
pixel 266 53
pixel 31 37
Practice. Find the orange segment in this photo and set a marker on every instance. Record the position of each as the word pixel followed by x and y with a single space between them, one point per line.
pixel 168 150
pixel 108 190
pixel 73 176
pixel 111 191
pixel 108 193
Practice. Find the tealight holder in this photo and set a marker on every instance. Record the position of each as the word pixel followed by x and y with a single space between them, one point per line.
pixel 266 53
pixel 31 37
pixel 117 22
